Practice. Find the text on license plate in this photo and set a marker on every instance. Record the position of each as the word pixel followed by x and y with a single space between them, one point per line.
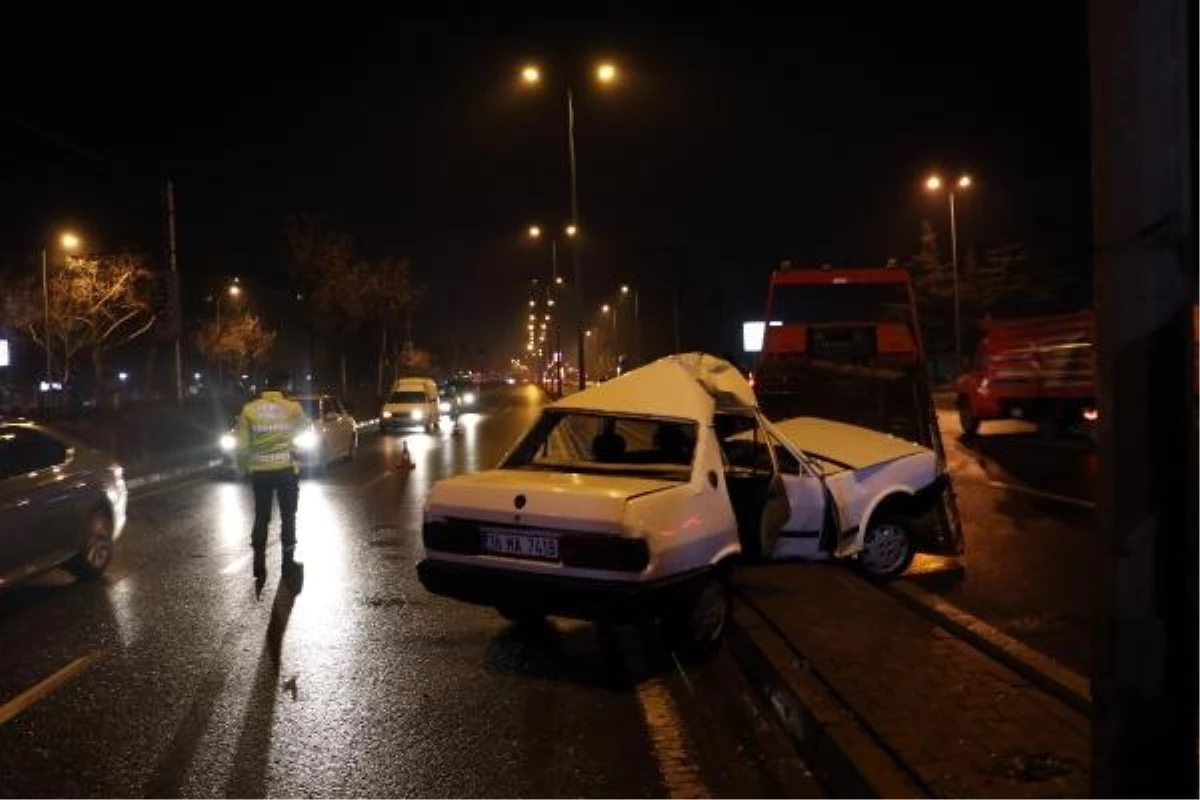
pixel 521 545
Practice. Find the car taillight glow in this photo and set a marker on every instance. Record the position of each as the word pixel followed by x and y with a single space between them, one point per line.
pixel 1091 414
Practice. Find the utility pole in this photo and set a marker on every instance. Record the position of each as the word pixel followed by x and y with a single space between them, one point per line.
pixel 174 295
pixel 1144 678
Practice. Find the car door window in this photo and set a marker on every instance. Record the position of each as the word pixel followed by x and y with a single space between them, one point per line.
pixel 23 451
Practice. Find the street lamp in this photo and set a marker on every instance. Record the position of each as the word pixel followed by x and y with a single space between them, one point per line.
pixel 67 241
pixel 934 184
pixel 605 74
pixel 637 323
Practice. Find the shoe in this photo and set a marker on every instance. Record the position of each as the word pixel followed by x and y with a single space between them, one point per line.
pixel 260 573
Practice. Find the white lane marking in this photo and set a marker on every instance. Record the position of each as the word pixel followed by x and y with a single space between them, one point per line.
pixel 46 687
pixel 1054 670
pixel 1061 498
pixel 669 741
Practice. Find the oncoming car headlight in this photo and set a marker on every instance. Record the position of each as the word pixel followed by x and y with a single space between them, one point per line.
pixel 418 414
pixel 444 406
pixel 305 440
pixel 228 442
pixel 385 414
pixel 468 398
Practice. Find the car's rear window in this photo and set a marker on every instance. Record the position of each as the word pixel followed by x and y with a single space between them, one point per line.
pixel 407 397
pixel 608 444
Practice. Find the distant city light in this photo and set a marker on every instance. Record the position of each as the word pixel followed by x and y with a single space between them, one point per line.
pixel 123 376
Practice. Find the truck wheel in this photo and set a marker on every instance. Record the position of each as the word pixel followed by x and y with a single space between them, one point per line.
pixel 887 548
pixel 966 420
pixel 694 629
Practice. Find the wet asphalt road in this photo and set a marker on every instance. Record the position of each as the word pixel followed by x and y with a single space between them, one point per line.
pixel 1028 517
pixel 168 678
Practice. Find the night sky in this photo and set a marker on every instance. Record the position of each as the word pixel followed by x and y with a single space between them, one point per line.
pixel 732 142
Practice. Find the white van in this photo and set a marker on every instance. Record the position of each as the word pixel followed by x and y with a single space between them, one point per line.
pixel 412 403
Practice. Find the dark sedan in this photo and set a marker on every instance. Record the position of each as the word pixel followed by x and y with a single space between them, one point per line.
pixel 61 503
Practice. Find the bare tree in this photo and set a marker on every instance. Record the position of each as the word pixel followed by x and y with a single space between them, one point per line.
pixel 242 341
pixel 96 304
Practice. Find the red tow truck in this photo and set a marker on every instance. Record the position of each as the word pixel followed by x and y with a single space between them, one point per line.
pixel 1041 369
pixel 845 344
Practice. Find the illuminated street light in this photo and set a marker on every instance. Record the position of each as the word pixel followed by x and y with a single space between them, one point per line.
pixel 606 73
pixel 235 290
pixel 550 302
pixel 934 184
pixel 624 289
pixel 532 303
pixel 535 232
pixel 604 309
pixel 69 241
pixel 558 280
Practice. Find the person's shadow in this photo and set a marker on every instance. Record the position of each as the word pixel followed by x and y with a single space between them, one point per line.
pixel 248 776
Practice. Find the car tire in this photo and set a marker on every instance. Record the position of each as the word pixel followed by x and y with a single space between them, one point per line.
pixel 966 420
pixel 91 561
pixel 695 628
pixel 888 548
pixel 522 616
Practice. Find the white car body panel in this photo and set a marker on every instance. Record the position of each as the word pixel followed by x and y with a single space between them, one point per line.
pixel 878 466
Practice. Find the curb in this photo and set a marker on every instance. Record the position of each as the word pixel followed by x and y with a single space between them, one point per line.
pixel 174 473
pixel 1039 669
pixel 846 759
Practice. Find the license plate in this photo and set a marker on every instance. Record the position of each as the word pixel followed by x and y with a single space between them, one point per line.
pixel 521 545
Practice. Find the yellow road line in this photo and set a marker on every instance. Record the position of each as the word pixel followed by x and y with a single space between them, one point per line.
pixel 669 741
pixel 43 689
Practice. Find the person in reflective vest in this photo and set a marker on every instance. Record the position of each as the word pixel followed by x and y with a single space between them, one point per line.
pixel 266 428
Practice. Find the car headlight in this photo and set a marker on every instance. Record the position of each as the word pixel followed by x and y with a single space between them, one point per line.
pixel 306 440
pixel 228 442
pixel 385 414
pixel 468 398
pixel 444 406
pixel 418 414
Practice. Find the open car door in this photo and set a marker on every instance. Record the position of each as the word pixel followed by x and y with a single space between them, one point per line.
pixel 814 526
pixel 757 491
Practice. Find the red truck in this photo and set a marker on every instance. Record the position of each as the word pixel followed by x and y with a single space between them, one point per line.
pixel 1042 369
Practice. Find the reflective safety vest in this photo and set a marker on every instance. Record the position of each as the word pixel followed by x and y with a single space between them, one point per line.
pixel 265 430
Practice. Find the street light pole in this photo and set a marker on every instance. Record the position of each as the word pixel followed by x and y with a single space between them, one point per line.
pixel 46 314
pixel 958 362
pixel 580 304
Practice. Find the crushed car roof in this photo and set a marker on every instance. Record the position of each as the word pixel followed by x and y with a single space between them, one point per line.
pixel 686 386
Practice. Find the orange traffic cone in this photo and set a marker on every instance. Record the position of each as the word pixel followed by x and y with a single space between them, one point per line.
pixel 406 462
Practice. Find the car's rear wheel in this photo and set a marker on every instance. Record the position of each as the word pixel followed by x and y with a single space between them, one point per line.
pixel 695 628
pixel 887 549
pixel 97 551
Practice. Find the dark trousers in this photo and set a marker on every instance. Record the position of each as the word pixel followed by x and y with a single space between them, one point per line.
pixel 285 485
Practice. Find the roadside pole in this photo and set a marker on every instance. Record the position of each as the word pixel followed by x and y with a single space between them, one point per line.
pixel 174 292
pixel 1144 679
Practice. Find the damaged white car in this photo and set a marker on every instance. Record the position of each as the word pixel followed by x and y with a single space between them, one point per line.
pixel 634 499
